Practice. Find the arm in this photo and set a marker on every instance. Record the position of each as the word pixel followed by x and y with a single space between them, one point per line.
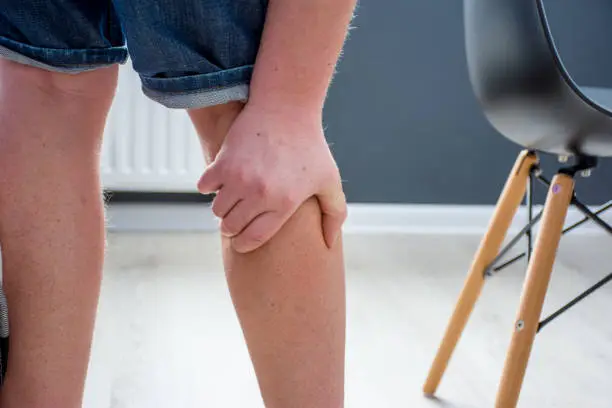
pixel 300 47
pixel 275 156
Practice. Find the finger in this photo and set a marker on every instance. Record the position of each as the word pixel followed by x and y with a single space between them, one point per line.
pixel 224 202
pixel 259 231
pixel 236 220
pixel 210 181
pixel 333 209
pixel 332 228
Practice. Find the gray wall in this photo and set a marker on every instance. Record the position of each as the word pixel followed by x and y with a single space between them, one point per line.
pixel 401 115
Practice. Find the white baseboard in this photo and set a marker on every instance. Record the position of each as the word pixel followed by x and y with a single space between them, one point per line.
pixel 441 219
pixel 363 218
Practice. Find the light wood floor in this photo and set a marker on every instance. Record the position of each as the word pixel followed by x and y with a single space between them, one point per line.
pixel 167 336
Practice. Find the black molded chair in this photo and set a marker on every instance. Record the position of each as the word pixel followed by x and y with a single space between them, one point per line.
pixel 530 98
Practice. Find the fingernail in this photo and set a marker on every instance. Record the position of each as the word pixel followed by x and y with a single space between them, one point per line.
pixel 222 229
pixel 226 233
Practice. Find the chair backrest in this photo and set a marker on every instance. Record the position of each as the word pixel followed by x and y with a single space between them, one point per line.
pixel 507 50
pixel 519 79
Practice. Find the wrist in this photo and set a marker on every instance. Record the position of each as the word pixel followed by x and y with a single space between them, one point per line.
pixel 291 108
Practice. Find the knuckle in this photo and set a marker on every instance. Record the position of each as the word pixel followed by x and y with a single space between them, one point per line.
pixel 287 201
pixel 238 175
pixel 260 187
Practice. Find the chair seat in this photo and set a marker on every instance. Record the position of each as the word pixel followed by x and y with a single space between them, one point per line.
pixel 584 114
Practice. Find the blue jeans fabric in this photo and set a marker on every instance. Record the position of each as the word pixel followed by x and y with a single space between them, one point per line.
pixel 188 53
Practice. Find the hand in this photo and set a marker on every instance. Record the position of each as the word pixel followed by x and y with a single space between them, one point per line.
pixel 270 163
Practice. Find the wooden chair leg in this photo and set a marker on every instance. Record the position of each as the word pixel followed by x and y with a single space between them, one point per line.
pixel 534 290
pixel 508 202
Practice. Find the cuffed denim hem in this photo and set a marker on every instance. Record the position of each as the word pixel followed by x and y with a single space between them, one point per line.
pixel 62 60
pixel 199 99
pixel 199 91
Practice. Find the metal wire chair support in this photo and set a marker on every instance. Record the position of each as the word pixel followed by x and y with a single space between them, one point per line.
pixel 567 229
pixel 526 231
pixel 527 228
pixel 589 215
pixel 529 233
pixel 574 301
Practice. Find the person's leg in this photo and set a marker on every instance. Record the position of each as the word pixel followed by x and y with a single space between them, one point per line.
pixel 51 228
pixel 289 296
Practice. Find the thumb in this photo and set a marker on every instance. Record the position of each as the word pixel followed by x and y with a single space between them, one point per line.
pixel 210 182
pixel 333 209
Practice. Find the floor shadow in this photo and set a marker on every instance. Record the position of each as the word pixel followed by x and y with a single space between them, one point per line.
pixel 441 403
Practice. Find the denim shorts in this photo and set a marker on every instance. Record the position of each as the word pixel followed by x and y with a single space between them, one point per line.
pixel 188 53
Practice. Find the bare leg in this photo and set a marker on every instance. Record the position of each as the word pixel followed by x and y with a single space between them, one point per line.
pixel 290 299
pixel 51 228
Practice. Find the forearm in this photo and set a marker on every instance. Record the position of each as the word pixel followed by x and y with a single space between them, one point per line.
pixel 300 47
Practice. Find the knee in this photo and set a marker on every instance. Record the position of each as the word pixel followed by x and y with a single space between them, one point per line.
pixel 50 108
pixel 95 87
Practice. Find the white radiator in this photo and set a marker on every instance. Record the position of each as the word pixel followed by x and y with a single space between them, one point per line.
pixel 148 148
